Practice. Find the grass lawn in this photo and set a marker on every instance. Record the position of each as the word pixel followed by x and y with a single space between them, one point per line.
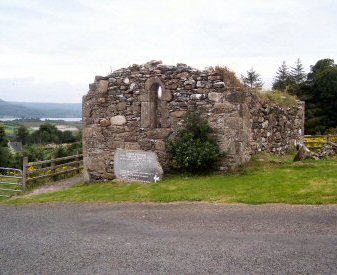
pixel 267 179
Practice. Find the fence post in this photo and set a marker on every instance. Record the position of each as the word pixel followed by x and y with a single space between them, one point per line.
pixel 328 138
pixel 53 170
pixel 78 159
pixel 24 172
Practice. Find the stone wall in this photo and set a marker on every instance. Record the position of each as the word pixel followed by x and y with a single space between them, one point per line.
pixel 139 107
pixel 275 128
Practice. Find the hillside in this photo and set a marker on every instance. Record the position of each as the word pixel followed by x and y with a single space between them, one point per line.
pixel 39 110
pixel 14 110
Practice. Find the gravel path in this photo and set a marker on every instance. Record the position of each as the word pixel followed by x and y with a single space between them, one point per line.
pixel 167 238
pixel 56 186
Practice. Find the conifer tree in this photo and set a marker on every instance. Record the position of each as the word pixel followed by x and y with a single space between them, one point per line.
pixel 282 79
pixel 252 80
pixel 297 73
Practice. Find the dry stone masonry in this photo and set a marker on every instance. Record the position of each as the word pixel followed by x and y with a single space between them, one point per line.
pixel 139 107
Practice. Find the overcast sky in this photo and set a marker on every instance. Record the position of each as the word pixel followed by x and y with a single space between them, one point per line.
pixel 50 50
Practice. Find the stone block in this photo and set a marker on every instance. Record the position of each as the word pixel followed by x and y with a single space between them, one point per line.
pixel 102 86
pixel 121 106
pixel 160 133
pixel 105 122
pixel 219 84
pixel 118 144
pixel 118 120
pixel 160 145
pixel 178 114
pixel 217 97
pixel 145 144
pixel 87 132
pixel 132 146
pixel 148 118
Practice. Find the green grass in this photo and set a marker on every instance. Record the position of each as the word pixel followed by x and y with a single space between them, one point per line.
pixel 10 129
pixel 267 179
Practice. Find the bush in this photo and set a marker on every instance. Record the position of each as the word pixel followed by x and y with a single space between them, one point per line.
pixel 193 149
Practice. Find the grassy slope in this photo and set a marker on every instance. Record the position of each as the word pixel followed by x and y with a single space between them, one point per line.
pixel 265 180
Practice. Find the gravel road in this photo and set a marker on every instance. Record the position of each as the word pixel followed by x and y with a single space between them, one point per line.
pixel 167 238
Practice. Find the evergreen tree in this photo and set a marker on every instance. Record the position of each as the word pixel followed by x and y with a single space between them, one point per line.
pixel 319 92
pixel 282 79
pixel 297 73
pixel 252 80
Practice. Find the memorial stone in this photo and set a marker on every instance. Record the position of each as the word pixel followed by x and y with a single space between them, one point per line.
pixel 137 166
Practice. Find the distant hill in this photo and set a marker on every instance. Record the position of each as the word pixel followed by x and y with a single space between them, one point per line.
pixel 39 110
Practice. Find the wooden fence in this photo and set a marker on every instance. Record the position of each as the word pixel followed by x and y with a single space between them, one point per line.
pixel 13 180
pixel 33 171
pixel 318 141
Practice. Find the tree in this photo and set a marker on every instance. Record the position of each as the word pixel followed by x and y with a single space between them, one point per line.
pixel 297 73
pixel 319 92
pixel 47 133
pixel 22 134
pixel 3 139
pixel 5 154
pixel 252 80
pixel 193 149
pixel 67 137
pixel 282 79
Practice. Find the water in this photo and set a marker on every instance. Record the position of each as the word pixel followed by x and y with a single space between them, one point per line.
pixel 69 119
pixel 64 118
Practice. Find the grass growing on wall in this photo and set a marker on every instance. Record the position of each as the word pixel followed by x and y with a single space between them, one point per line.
pixel 282 99
pixel 267 179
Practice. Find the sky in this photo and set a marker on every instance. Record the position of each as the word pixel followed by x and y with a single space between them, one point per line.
pixel 51 50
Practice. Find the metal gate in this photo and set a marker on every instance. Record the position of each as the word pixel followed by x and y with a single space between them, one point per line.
pixel 10 181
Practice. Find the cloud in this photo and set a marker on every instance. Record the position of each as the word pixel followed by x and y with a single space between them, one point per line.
pixel 29 90
pixel 69 42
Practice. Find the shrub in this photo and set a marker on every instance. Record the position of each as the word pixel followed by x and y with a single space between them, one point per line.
pixel 193 149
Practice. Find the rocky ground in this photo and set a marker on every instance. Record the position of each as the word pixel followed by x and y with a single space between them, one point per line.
pixel 327 151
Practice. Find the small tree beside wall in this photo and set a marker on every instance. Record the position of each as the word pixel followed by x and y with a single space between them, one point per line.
pixel 193 149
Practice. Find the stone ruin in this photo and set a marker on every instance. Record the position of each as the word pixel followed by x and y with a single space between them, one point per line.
pixel 139 107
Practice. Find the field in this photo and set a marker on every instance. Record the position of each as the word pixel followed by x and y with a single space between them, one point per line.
pixel 10 129
pixel 12 126
pixel 267 179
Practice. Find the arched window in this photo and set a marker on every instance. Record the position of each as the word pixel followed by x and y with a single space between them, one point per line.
pixel 155 111
pixel 151 103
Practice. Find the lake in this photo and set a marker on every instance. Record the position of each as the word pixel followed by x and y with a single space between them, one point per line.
pixel 69 119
